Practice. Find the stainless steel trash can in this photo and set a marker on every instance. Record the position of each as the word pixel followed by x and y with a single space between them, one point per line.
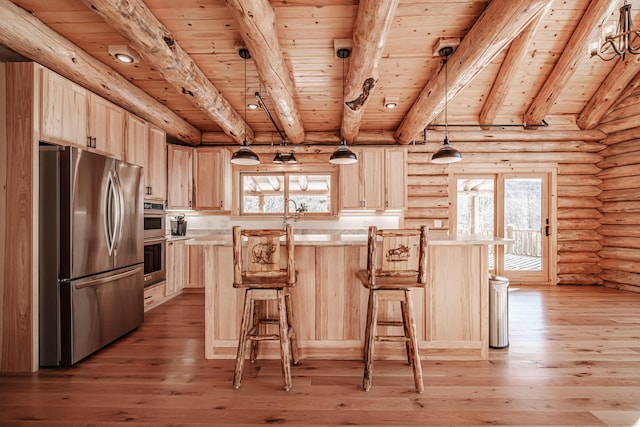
pixel 498 312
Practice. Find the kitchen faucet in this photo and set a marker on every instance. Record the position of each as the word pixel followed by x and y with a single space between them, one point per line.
pixel 285 218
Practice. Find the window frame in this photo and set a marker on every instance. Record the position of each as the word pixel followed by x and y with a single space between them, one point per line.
pixel 285 170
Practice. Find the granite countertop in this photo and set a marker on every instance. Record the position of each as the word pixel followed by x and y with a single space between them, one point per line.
pixel 343 238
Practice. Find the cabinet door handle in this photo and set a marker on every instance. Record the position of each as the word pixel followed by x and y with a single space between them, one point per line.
pixel 89 141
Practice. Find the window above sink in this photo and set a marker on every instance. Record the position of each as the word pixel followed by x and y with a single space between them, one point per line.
pixel 309 193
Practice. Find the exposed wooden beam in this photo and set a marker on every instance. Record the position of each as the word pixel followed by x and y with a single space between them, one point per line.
pixel 320 139
pixel 509 70
pixel 153 41
pixel 609 92
pixel 499 24
pixel 574 51
pixel 369 37
pixel 28 36
pixel 256 21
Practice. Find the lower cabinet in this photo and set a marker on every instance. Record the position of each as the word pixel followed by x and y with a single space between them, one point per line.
pixel 154 295
pixel 177 267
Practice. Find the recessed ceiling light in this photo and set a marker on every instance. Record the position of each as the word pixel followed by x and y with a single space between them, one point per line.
pixel 390 102
pixel 252 106
pixel 124 54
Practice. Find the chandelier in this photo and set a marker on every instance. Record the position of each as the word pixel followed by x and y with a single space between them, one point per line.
pixel 619 37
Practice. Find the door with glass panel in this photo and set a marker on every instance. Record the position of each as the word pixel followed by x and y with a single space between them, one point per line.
pixel 510 205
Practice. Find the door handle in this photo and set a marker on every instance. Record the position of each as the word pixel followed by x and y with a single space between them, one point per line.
pixel 547 228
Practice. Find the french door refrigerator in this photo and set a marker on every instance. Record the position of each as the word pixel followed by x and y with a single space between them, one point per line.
pixel 91 252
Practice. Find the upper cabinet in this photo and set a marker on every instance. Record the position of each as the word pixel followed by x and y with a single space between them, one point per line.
pixel 362 183
pixel 136 140
pixel 106 127
pixel 71 115
pixel 179 177
pixel 395 171
pixel 63 110
pixel 376 182
pixel 212 176
pixel 155 171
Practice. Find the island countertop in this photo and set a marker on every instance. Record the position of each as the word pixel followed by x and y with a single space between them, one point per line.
pixel 339 238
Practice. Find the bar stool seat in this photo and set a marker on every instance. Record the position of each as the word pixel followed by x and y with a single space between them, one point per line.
pixel 402 266
pixel 264 280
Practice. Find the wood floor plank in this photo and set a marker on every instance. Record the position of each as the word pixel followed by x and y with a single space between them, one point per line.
pixel 573 359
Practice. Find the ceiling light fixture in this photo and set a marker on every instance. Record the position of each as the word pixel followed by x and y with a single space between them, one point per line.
pixel 446 153
pixel 390 103
pixel 285 158
pixel 245 156
pixel 617 43
pixel 124 54
pixel 343 156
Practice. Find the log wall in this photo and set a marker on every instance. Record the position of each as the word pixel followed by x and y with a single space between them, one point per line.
pixel 577 155
pixel 620 196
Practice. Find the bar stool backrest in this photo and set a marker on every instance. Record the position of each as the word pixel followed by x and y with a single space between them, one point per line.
pixel 264 256
pixel 404 254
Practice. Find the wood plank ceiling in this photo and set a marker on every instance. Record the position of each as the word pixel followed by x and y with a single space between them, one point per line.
pixel 533 53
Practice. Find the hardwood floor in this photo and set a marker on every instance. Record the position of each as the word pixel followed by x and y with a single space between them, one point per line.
pixel 574 359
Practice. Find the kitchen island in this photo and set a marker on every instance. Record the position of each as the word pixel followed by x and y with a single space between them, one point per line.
pixel 330 304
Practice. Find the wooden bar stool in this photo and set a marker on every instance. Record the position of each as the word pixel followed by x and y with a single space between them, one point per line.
pixel 403 266
pixel 264 279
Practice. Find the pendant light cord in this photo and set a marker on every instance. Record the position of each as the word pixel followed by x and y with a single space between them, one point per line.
pixel 446 98
pixel 245 102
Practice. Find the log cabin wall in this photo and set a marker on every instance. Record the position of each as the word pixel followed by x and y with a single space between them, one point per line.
pixel 577 155
pixel 620 196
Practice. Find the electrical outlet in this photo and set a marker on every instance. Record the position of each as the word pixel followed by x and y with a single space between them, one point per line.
pixel 437 223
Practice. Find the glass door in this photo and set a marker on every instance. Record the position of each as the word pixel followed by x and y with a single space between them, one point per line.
pixel 510 205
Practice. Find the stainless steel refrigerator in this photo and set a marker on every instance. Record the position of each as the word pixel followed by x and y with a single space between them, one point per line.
pixel 91 252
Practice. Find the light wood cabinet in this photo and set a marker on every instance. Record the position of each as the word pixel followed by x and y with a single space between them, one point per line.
pixel 177 267
pixel 71 115
pixel 395 170
pixel 179 177
pixel 106 127
pixel 212 178
pixel 63 110
pixel 156 165
pixel 195 275
pixel 362 183
pixel 154 295
pixel 136 140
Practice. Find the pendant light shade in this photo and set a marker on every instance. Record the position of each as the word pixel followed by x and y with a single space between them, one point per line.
pixel 343 156
pixel 245 156
pixel 446 153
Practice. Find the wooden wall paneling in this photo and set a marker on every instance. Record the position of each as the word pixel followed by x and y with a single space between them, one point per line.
pixel 304 294
pixel 620 196
pixel 578 156
pixel 18 348
pixel 330 295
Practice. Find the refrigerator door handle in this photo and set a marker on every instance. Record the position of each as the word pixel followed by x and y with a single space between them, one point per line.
pixel 96 282
pixel 109 214
pixel 118 201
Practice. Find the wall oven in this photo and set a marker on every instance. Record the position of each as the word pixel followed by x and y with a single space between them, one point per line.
pixel 155 243
pixel 154 220
pixel 154 260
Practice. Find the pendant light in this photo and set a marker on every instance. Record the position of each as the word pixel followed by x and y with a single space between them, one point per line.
pixel 343 156
pixel 245 156
pixel 446 153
